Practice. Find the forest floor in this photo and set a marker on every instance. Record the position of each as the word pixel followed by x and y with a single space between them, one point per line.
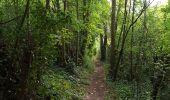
pixel 97 88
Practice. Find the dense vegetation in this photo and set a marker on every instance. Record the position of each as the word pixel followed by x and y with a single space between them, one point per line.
pixel 141 49
pixel 47 48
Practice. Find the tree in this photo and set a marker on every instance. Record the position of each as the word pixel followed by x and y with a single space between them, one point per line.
pixel 113 36
pixel 103 43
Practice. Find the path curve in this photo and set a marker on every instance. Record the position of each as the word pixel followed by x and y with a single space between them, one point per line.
pixel 97 87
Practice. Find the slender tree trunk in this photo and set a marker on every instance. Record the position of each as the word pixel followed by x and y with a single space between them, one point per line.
pixel 63 40
pixel 47 4
pixel 123 27
pixel 123 42
pixel 131 43
pixel 144 33
pixel 25 61
pixel 127 29
pixel 65 4
pixel 103 43
pixel 118 14
pixel 85 31
pixel 58 6
pixel 157 83
pixel 101 46
pixel 77 46
pixel 113 36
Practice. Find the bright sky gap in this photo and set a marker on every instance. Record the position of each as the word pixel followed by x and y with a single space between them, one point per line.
pixel 155 2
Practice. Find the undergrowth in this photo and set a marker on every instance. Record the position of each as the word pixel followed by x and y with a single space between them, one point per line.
pixel 58 84
pixel 126 90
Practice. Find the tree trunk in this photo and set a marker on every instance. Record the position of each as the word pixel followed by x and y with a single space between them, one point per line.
pixel 101 46
pixel 58 5
pixel 48 4
pixel 131 72
pixel 77 46
pixel 63 40
pixel 123 41
pixel 85 31
pixel 25 61
pixel 113 36
pixel 103 43
pixel 65 4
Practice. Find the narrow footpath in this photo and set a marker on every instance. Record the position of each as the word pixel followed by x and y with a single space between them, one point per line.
pixel 97 87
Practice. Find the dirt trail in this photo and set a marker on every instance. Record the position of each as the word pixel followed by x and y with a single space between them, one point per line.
pixel 97 87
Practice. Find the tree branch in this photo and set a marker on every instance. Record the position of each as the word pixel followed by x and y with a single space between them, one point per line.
pixel 6 22
pixel 124 38
pixel 141 12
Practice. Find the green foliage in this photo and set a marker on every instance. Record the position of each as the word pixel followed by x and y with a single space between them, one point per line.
pixel 47 41
pixel 41 48
pixel 144 56
pixel 62 85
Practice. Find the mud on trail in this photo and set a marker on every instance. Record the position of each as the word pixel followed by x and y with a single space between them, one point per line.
pixel 97 88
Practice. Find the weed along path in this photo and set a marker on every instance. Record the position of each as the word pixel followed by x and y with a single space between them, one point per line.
pixel 97 88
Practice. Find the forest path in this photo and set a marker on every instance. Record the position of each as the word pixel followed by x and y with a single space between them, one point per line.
pixel 97 88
